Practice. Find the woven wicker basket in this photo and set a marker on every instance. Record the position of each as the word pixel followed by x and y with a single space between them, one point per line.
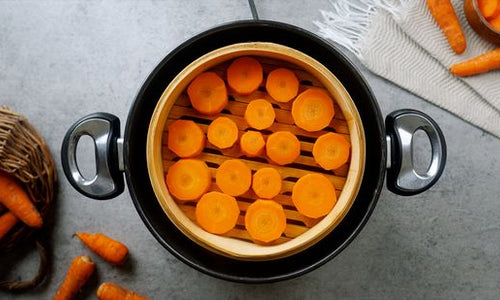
pixel 24 155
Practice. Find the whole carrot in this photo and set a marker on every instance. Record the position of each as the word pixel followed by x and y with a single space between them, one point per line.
pixel 112 291
pixel 79 272
pixel 480 64
pixel 7 221
pixel 13 197
pixel 110 250
pixel 444 14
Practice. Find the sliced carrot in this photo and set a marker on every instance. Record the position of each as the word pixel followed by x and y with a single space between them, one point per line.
pixel 487 7
pixel 113 291
pixel 233 177
pixel 14 197
pixel 282 85
pixel 7 221
pixel 331 150
pixel 208 93
pixel 313 110
pixel 244 75
pixel 260 114
pixel 444 14
pixel 480 64
pixel 185 138
pixel 222 132
pixel 266 183
pixel 283 147
pixel 188 179
pixel 314 195
pixel 495 21
pixel 217 212
pixel 252 143
pixel 265 220
pixel 79 272
pixel 110 250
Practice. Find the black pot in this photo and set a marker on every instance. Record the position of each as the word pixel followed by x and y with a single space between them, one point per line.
pixel 115 155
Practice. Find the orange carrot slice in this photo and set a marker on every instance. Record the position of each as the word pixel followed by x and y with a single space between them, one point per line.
pixel 233 177
pixel 265 220
pixel 188 179
pixel 260 114
pixel 217 212
pixel 252 143
pixel 314 195
pixel 313 110
pixel 222 133
pixel 487 7
pixel 208 93
pixel 266 183
pixel 282 85
pixel 283 147
pixel 185 138
pixel 331 150
pixel 495 21
pixel 244 75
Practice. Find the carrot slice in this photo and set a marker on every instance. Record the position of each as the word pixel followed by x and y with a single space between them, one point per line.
pixel 283 147
pixel 244 75
pixel 188 179
pixel 266 183
pixel 495 21
pixel 260 114
pixel 313 110
pixel 252 143
pixel 217 212
pixel 314 195
pixel 233 177
pixel 222 132
pixel 265 220
pixel 331 150
pixel 185 138
pixel 208 93
pixel 487 7
pixel 282 85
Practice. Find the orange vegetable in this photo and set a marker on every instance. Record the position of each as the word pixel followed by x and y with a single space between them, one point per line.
pixel 14 198
pixel 185 138
pixel 252 143
pixel 314 195
pixel 495 21
pixel 260 114
pixel 313 110
pixel 188 179
pixel 266 183
pixel 265 220
pixel 208 93
pixel 444 14
pixel 217 212
pixel 282 85
pixel 480 64
pixel 112 291
pixel 233 177
pixel 244 75
pixel 282 147
pixel 331 150
pixel 79 272
pixel 222 132
pixel 487 7
pixel 7 222
pixel 110 250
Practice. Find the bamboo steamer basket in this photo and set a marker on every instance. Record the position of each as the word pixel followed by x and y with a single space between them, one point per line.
pixel 301 231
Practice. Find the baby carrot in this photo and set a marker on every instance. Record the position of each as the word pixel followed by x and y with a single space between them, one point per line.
pixel 79 272
pixel 112 291
pixel 485 62
pixel 444 14
pixel 110 250
pixel 7 222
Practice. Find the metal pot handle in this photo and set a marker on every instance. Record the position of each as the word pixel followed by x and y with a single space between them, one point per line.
pixel 402 178
pixel 108 181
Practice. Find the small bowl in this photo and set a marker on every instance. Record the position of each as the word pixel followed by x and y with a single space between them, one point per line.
pixel 479 23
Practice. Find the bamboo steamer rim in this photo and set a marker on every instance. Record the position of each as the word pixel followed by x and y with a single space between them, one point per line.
pixel 226 245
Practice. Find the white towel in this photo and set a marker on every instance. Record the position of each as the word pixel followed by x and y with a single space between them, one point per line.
pixel 399 40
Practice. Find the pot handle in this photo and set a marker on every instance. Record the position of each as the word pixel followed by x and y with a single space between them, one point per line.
pixel 104 129
pixel 401 126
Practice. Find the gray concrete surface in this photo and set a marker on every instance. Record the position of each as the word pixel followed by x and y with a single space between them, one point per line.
pixel 60 60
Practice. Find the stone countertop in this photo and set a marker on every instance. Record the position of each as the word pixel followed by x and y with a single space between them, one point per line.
pixel 61 60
